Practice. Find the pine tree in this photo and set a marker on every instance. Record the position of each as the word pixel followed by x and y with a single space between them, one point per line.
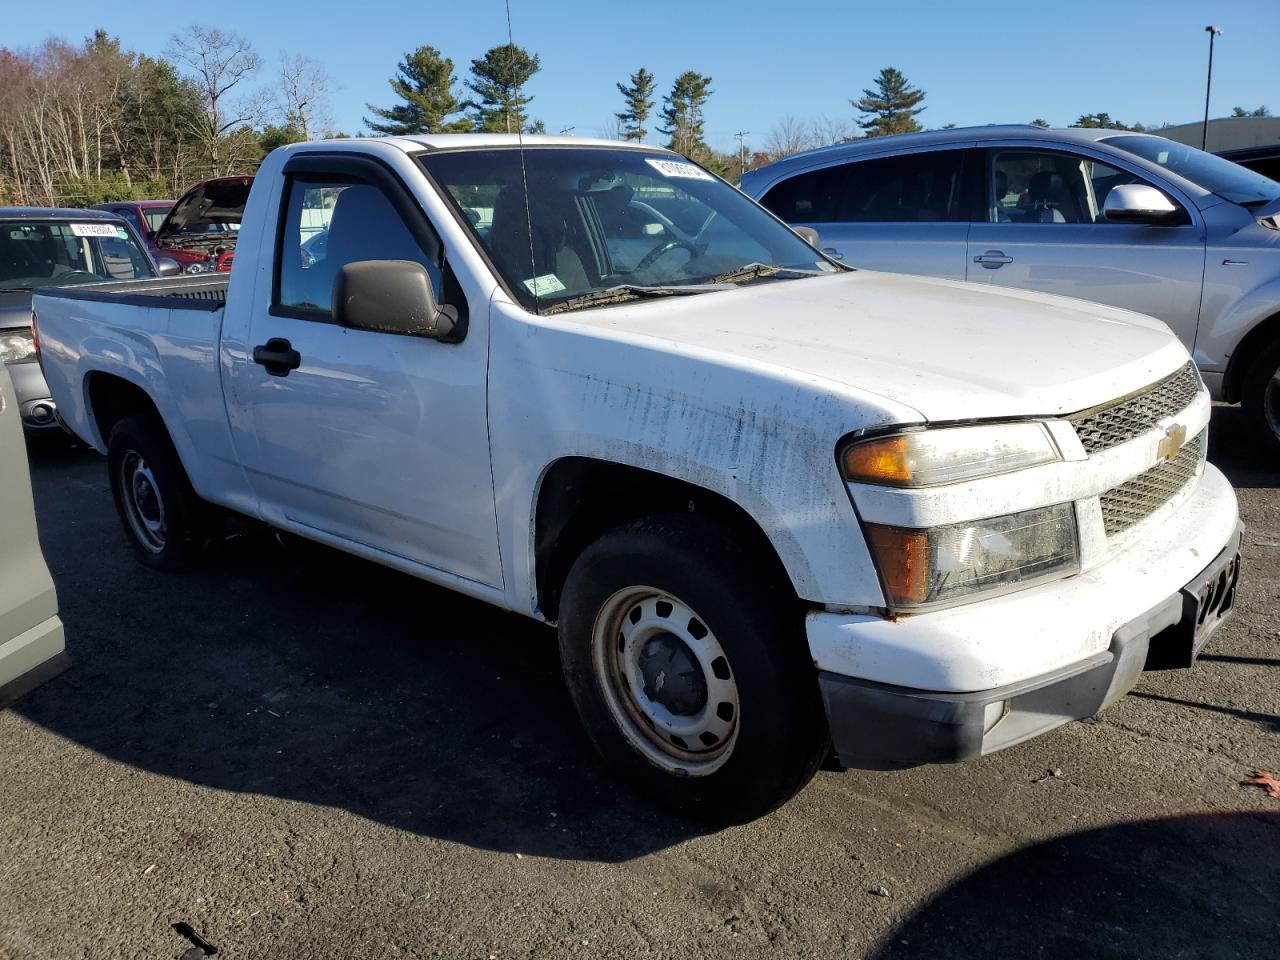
pixel 1038 122
pixel 639 98
pixel 892 107
pixel 498 79
pixel 682 118
pixel 425 85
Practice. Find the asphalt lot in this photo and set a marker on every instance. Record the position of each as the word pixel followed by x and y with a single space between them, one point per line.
pixel 305 756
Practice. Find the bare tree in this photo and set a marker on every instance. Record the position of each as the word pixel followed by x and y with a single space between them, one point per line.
pixel 789 136
pixel 304 91
pixel 220 61
pixel 826 131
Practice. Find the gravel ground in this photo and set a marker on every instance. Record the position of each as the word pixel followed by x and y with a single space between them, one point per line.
pixel 302 755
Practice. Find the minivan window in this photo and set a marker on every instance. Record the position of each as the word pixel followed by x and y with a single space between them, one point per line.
pixel 1045 186
pixel 1228 180
pixel 912 188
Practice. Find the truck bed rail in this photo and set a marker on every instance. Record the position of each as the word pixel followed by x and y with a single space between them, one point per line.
pixel 200 292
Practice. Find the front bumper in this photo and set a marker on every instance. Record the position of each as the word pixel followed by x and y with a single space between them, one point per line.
pixel 878 726
pixel 36 407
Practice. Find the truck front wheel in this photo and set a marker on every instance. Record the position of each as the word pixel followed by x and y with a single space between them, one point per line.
pixel 688 665
pixel 166 522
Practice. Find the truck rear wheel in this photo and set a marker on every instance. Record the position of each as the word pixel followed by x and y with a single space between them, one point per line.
pixel 688 665
pixel 1261 397
pixel 167 524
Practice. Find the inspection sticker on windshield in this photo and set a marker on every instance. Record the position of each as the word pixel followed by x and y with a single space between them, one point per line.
pixel 678 168
pixel 543 285
pixel 93 229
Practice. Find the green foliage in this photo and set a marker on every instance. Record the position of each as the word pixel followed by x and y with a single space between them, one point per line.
pixel 639 99
pixel 1037 122
pixel 424 84
pixel 497 80
pixel 1103 121
pixel 112 186
pixel 891 107
pixel 682 114
pixel 277 135
pixel 1261 111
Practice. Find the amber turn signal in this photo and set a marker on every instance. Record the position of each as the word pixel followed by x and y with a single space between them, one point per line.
pixel 879 461
pixel 903 558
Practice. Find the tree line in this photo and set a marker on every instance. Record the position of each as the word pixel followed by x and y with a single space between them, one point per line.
pixel 86 123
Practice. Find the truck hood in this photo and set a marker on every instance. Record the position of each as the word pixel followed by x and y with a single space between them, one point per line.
pixel 218 201
pixel 949 350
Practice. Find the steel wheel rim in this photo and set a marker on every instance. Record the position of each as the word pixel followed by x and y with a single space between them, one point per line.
pixel 666 680
pixel 1271 403
pixel 143 505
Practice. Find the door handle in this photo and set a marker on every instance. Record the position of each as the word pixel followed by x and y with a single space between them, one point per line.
pixel 992 259
pixel 833 253
pixel 278 356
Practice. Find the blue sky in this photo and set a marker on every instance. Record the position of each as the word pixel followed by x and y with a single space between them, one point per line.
pixel 978 62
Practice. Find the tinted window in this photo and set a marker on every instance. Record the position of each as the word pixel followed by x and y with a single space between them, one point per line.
pixel 36 254
pixel 1046 186
pixel 914 188
pixel 327 226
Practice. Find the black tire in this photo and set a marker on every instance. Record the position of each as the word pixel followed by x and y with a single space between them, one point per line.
pixel 182 537
pixel 1261 398
pixel 780 736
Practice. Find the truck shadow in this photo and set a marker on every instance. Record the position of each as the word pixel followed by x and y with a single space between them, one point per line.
pixel 302 673
pixel 1205 885
pixel 1235 451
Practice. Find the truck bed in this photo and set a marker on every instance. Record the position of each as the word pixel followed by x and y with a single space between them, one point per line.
pixel 199 292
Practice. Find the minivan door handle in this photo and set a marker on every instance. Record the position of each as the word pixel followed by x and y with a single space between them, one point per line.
pixel 278 356
pixel 993 259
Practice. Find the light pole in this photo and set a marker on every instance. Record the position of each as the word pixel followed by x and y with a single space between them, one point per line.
pixel 741 137
pixel 1204 130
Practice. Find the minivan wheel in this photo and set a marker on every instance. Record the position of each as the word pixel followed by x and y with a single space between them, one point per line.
pixel 167 524
pixel 1261 397
pixel 687 662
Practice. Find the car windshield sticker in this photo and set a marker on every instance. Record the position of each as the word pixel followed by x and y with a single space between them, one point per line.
pixel 678 168
pixel 545 284
pixel 93 229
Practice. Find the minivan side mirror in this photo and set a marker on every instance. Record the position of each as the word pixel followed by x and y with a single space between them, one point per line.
pixel 167 267
pixel 1139 203
pixel 392 296
pixel 809 236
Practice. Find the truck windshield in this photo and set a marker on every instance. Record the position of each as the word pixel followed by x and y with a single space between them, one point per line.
pixel 57 253
pixel 598 218
pixel 1228 180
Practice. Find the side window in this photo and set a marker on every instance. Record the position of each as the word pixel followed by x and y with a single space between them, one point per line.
pixel 912 188
pixel 1049 187
pixel 330 224
pixel 806 197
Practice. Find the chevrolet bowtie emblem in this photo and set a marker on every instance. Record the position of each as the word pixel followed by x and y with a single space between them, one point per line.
pixel 1171 442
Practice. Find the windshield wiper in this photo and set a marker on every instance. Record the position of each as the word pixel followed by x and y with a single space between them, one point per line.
pixel 621 293
pixel 754 270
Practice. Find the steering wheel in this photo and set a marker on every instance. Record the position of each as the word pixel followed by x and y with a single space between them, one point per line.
pixel 665 247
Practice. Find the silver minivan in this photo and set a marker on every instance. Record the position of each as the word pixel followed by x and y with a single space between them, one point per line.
pixel 1127 219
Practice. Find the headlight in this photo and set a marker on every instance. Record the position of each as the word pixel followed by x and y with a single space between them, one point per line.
pixel 949 563
pixel 16 345
pixel 925 458
pixel 201 266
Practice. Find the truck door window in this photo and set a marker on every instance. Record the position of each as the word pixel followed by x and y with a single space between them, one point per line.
pixel 327 226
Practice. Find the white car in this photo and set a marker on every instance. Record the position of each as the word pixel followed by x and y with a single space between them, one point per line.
pixel 31 643
pixel 775 507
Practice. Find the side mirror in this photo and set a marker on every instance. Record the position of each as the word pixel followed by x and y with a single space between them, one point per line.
pixel 809 236
pixel 168 267
pixel 1139 203
pixel 392 296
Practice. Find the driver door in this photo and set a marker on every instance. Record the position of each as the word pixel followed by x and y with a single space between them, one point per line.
pixel 379 439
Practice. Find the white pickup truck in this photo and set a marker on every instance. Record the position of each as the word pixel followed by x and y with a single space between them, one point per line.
pixel 779 510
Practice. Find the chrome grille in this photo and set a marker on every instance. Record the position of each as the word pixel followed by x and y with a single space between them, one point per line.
pixel 1135 500
pixel 1112 424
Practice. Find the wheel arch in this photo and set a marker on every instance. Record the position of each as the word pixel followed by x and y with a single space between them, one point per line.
pixel 1263 332
pixel 110 398
pixel 580 498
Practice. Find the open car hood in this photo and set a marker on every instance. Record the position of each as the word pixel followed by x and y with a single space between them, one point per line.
pixel 211 202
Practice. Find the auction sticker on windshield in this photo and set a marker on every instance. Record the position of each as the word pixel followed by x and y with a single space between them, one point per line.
pixel 541 286
pixel 93 229
pixel 678 168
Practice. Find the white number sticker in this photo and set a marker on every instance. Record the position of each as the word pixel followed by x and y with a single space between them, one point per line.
pixel 678 168
pixel 543 285
pixel 93 229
